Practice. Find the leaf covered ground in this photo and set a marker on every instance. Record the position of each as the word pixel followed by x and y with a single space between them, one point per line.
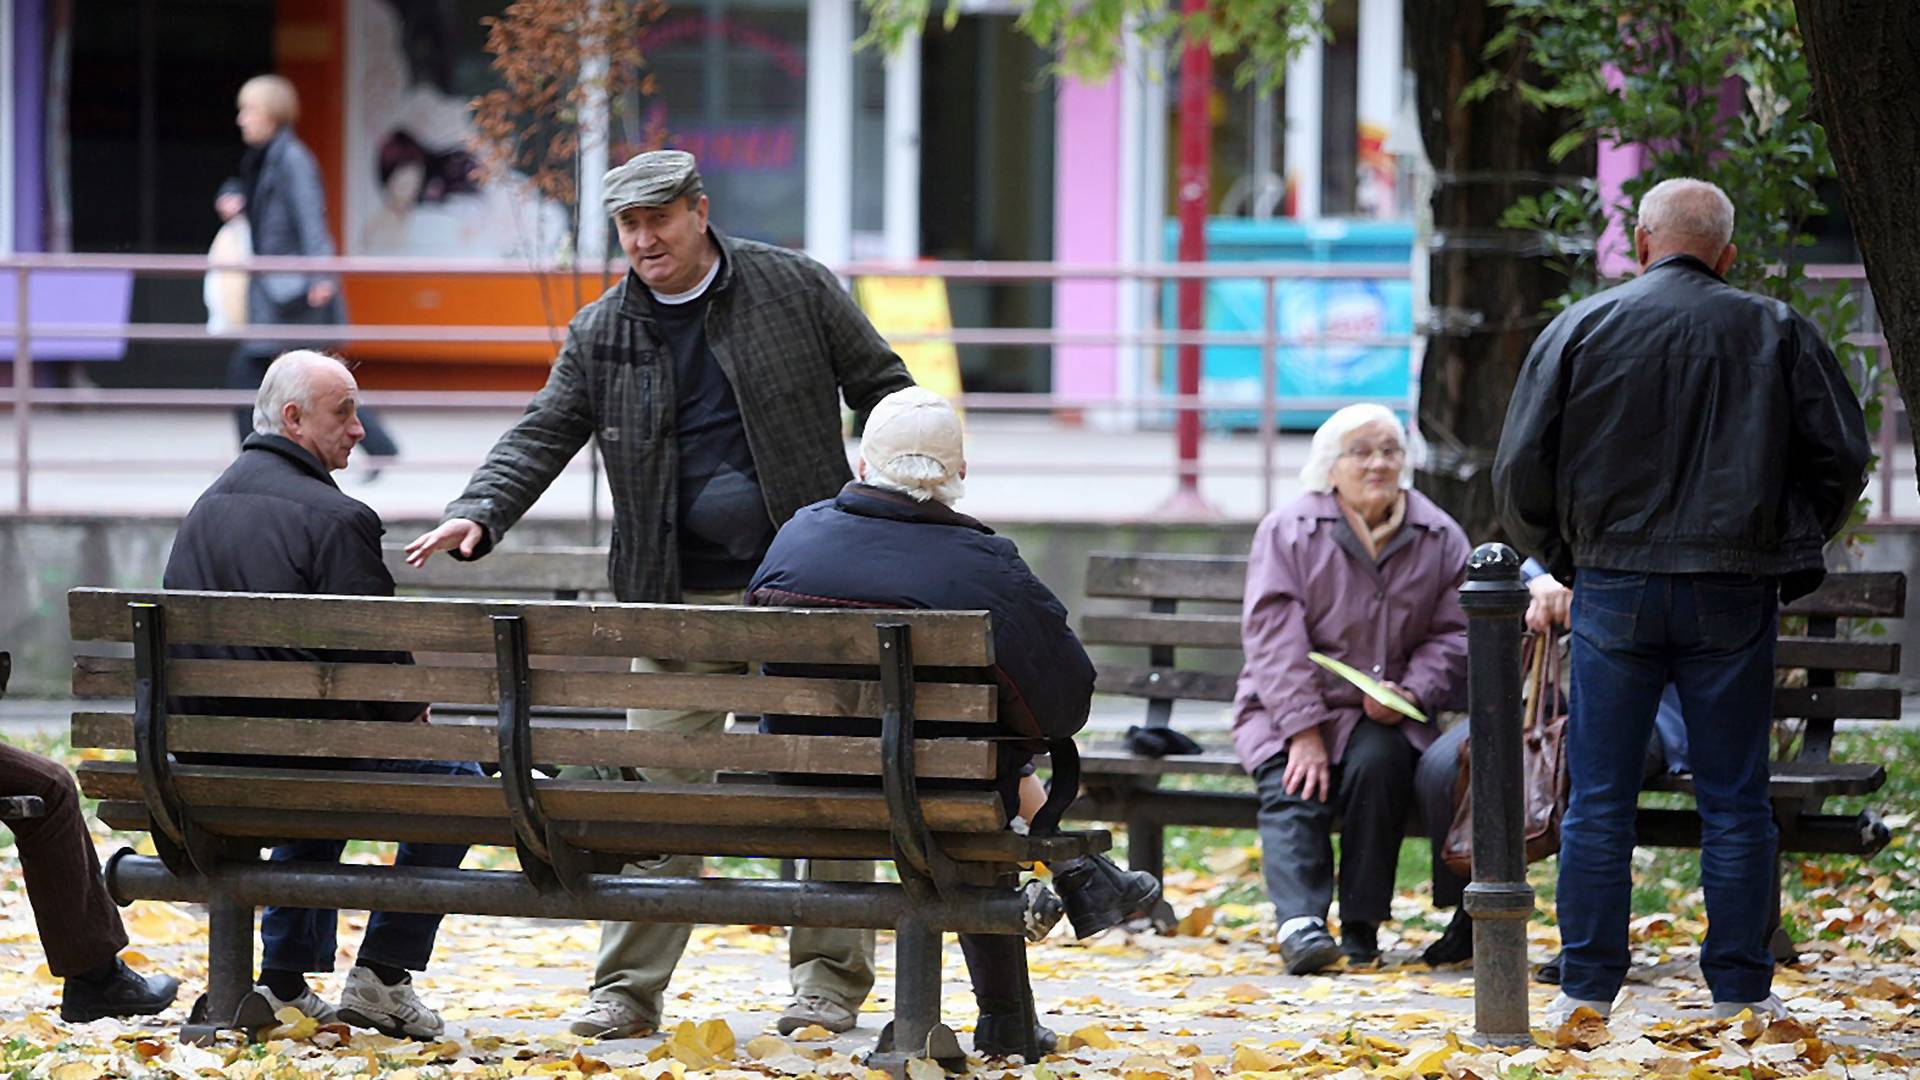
pixel 1209 1003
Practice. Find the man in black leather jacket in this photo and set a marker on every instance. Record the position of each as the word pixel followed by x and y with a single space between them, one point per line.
pixel 1681 451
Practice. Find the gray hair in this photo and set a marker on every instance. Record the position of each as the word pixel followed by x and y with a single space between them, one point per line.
pixel 289 379
pixel 1331 437
pixel 916 476
pixel 1688 210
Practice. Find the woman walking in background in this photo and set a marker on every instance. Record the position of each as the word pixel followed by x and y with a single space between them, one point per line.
pixel 286 208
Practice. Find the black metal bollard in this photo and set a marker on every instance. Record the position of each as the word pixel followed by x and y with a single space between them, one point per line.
pixel 1499 899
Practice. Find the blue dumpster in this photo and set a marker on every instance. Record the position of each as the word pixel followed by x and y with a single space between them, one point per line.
pixel 1353 307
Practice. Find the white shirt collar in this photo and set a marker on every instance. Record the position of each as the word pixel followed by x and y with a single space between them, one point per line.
pixel 691 294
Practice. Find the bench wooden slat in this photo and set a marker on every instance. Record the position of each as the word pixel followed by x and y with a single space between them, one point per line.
pixel 613 837
pixel 1837 703
pixel 1119 763
pixel 1188 631
pixel 1159 682
pixel 1801 779
pixel 1220 578
pixel 521 570
pixel 112 677
pixel 954 759
pixel 325 790
pixel 1838 654
pixel 665 631
pixel 1856 594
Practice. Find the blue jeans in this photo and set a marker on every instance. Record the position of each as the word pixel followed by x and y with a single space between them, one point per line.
pixel 1712 636
pixel 303 939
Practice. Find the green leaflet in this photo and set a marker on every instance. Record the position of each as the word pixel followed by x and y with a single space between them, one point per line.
pixel 1368 686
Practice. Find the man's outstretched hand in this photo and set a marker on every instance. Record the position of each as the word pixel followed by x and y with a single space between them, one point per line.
pixel 452 533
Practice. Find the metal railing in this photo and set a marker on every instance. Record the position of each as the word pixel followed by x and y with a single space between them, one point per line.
pixel 24 397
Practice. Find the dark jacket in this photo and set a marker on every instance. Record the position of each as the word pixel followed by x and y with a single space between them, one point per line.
pixel 287 214
pixel 275 523
pixel 1676 424
pixel 791 343
pixel 872 548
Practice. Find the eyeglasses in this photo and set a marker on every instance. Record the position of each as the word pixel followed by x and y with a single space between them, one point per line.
pixel 1364 455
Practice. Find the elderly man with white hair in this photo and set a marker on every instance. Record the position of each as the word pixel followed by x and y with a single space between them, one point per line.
pixel 275 523
pixel 892 539
pixel 1680 451
pixel 1365 570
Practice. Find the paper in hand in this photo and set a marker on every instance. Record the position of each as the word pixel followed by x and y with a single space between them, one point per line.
pixel 1368 686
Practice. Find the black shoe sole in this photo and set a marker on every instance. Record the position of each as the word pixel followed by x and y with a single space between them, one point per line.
pixel 88 1016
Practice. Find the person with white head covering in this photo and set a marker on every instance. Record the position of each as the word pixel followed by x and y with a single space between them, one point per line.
pixel 892 539
pixel 1365 570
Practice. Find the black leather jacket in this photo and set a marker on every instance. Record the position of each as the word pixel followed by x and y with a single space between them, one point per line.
pixel 1675 424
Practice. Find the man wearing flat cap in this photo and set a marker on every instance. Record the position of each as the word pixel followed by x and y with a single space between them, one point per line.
pixel 712 376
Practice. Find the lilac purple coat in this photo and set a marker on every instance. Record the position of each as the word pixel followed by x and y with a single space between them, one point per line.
pixel 1311 587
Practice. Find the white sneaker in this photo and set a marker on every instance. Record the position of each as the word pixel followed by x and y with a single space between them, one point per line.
pixel 309 1004
pixel 610 1016
pixel 394 1011
pixel 1564 1007
pixel 1771 1009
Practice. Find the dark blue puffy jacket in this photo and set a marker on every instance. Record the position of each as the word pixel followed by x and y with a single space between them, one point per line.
pixel 872 548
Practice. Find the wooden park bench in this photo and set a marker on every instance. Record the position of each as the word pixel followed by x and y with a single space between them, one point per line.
pixel 16 807
pixel 922 803
pixel 1136 791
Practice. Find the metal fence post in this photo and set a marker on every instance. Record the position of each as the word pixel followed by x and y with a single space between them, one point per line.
pixel 1499 899
pixel 22 390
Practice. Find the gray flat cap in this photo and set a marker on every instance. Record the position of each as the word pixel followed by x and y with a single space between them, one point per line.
pixel 654 178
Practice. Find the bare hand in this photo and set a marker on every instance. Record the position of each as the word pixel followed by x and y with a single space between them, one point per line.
pixel 319 293
pixel 229 206
pixel 425 717
pixel 452 533
pixel 1381 714
pixel 1307 770
pixel 1551 606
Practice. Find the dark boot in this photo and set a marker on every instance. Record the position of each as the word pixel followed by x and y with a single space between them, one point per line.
pixel 1548 972
pixel 115 991
pixel 1100 895
pixel 1453 946
pixel 1359 941
pixel 998 1035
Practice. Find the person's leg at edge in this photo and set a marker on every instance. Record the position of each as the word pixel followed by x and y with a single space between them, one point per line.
pixel 1619 669
pixel 1726 694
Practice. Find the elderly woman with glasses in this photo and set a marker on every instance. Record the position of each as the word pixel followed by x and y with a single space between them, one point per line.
pixel 1364 570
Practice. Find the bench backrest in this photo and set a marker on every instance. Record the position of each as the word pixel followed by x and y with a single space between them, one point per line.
pixel 1166 582
pixel 561 573
pixel 464 656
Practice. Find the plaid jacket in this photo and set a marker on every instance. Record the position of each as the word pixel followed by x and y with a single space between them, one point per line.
pixel 791 342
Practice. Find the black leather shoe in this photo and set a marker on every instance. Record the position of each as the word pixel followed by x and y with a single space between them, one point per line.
pixel 998 1035
pixel 123 992
pixel 1455 944
pixel 1308 950
pixel 1548 972
pixel 1100 895
pixel 1360 942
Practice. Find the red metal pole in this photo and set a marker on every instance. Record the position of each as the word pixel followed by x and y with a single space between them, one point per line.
pixel 1196 151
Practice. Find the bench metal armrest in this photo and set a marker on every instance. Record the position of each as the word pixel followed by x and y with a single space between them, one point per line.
pixel 923 866
pixel 1062 791
pixel 550 862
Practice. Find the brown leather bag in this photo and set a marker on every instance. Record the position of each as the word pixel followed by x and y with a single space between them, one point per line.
pixel 1543 766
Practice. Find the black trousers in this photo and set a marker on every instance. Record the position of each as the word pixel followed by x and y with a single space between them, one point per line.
pixel 80 928
pixel 1372 793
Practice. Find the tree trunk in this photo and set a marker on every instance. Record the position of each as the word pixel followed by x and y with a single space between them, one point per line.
pixel 1488 286
pixel 1865 59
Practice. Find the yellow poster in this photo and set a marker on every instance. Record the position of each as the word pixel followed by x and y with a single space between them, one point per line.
pixel 912 306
